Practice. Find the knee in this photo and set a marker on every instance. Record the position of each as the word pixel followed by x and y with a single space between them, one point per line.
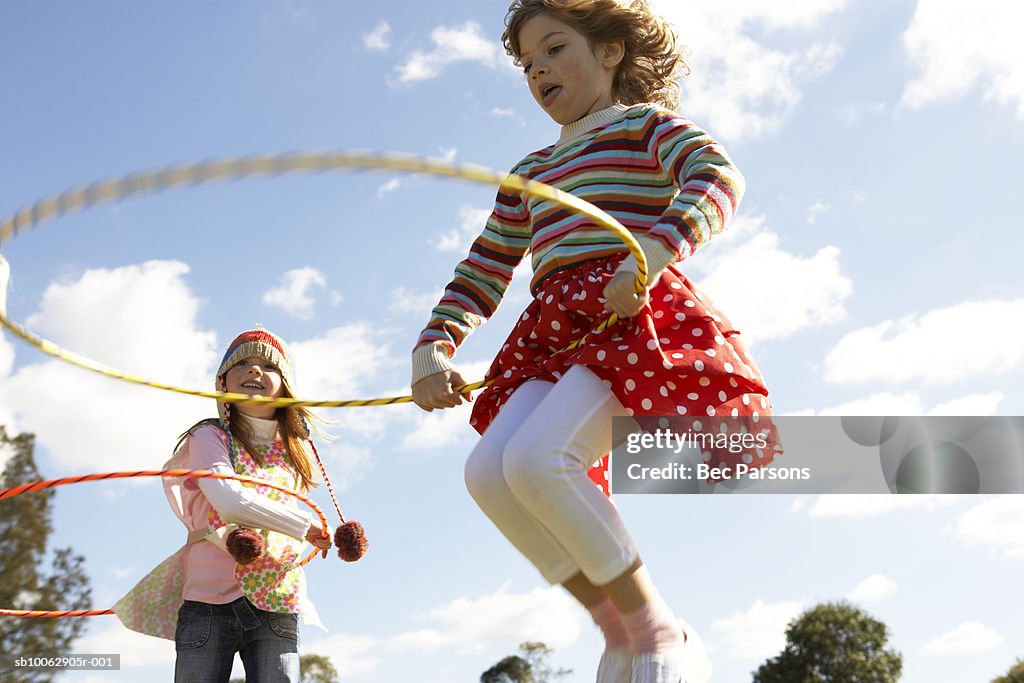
pixel 483 472
pixel 528 464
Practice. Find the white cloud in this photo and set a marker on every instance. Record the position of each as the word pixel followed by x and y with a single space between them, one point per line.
pixel 935 347
pixel 510 114
pixel 882 403
pixel 377 39
pixel 295 9
pixel 997 522
pixel 5 276
pixel 439 428
pixel 122 572
pixel 742 87
pixel 346 464
pixel 451 44
pixel 911 403
pixel 465 624
pixel 855 113
pixel 344 363
pixel 6 355
pixel 6 452
pixel 91 423
pixel 391 185
pixel 407 301
pixel 135 649
pixel 872 589
pixel 796 14
pixel 858 506
pixel 27 600
pixel 354 655
pixel 759 632
pixel 969 638
pixel 448 153
pixel 767 292
pixel 738 85
pixel 337 364
pixel 815 210
pixel 974 404
pixel 958 47
pixel 471 224
pixel 292 295
pixel 518 294
pixel 138 318
pixel 470 624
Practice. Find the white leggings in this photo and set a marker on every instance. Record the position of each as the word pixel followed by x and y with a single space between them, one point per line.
pixel 528 474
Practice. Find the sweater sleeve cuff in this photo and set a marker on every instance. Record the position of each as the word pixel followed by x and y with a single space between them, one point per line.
pixel 429 359
pixel 658 259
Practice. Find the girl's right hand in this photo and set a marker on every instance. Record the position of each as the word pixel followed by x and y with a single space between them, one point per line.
pixel 438 391
pixel 320 538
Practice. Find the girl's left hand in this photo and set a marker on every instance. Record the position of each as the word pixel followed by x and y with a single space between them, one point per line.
pixel 621 295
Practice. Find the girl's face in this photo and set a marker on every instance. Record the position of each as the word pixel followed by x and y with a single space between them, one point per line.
pixel 567 76
pixel 255 376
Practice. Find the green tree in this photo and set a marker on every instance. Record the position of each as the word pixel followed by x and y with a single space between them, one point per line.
pixel 834 643
pixel 317 669
pixel 1014 675
pixel 25 526
pixel 511 669
pixel 531 667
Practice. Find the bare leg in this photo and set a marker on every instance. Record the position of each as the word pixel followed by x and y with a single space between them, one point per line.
pixel 585 592
pixel 632 589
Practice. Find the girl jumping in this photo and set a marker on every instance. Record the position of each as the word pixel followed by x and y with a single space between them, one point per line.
pixel 606 71
pixel 200 597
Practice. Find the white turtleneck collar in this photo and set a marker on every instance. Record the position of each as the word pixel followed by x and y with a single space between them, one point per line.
pixel 262 430
pixel 574 130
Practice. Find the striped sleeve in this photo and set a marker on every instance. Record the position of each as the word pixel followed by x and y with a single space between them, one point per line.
pixel 483 277
pixel 710 185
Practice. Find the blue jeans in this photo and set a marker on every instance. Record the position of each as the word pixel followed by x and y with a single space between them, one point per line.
pixel 208 636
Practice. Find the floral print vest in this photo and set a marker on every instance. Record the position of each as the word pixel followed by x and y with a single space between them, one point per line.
pixel 269 582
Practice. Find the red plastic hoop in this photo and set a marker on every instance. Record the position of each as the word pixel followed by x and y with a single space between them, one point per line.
pixel 33 486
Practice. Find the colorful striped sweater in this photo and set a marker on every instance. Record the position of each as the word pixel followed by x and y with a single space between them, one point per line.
pixel 658 174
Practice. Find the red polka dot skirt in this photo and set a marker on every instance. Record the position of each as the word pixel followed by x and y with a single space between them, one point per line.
pixel 678 357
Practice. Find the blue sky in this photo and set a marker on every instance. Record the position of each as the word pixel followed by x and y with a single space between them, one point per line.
pixel 873 268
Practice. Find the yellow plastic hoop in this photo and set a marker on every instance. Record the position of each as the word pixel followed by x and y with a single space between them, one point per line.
pixel 145 182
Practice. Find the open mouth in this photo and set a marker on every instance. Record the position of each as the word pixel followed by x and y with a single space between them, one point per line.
pixel 549 92
pixel 256 386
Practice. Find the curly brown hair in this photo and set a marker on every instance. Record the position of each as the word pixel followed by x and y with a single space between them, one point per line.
pixel 652 62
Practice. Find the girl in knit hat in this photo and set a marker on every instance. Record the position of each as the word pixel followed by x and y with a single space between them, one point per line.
pixel 607 71
pixel 200 597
